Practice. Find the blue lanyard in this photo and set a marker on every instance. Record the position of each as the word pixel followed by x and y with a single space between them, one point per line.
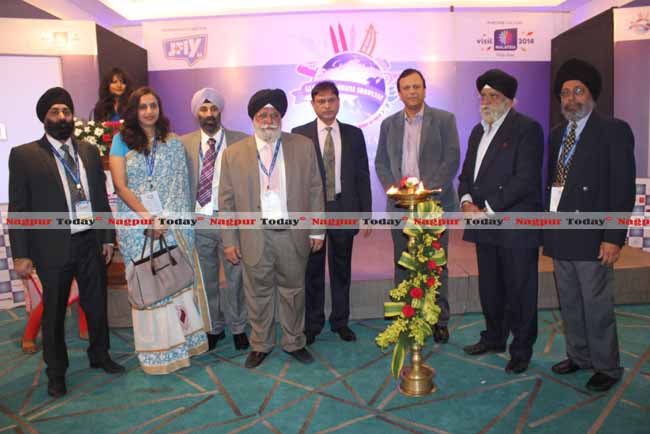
pixel 216 153
pixel 75 175
pixel 269 172
pixel 569 154
pixel 151 160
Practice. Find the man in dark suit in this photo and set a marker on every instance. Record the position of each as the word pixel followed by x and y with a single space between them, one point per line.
pixel 57 174
pixel 422 142
pixel 343 164
pixel 591 169
pixel 502 173
pixel 204 149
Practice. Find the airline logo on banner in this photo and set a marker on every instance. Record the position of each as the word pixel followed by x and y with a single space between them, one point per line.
pixel 191 49
pixel 631 24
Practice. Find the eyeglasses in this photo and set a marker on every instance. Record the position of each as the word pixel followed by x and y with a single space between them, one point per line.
pixel 262 116
pixel 577 91
pixel 492 96
pixel 56 112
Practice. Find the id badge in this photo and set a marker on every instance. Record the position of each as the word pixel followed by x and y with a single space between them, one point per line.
pixel 556 195
pixel 151 201
pixel 83 210
pixel 271 207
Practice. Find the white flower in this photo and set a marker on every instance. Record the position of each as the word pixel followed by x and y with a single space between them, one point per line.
pixel 91 140
pixel 98 132
pixel 86 129
pixel 91 123
pixel 77 132
pixel 78 122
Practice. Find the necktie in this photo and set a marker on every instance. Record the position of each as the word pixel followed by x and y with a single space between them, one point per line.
pixel 76 193
pixel 204 195
pixel 563 165
pixel 329 161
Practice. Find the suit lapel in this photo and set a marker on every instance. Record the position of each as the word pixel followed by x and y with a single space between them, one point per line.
pixel 90 174
pixel 48 159
pixel 500 138
pixel 290 172
pixel 588 135
pixel 253 171
pixel 313 131
pixel 397 142
pixel 425 132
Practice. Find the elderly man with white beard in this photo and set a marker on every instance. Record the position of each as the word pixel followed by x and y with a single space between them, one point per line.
pixel 272 173
pixel 502 173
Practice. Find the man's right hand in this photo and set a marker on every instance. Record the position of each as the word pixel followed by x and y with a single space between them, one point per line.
pixel 232 254
pixel 23 266
pixel 469 207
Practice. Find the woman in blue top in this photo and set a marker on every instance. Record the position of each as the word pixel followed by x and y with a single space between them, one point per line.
pixel 150 176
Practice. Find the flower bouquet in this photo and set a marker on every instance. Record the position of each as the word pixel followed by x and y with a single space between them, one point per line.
pixel 413 301
pixel 99 134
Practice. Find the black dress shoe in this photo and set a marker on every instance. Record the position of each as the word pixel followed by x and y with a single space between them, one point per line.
pixel 565 367
pixel 214 338
pixel 108 365
pixel 311 338
pixel 516 366
pixel 481 348
pixel 254 359
pixel 600 382
pixel 346 334
pixel 440 334
pixel 301 355
pixel 56 387
pixel 241 341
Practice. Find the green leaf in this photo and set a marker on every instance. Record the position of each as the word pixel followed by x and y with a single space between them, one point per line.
pixel 408 261
pixel 399 354
pixel 392 308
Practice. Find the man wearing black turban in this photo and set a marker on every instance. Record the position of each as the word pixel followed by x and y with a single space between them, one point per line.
pixel 591 168
pixel 502 173
pixel 73 184
pixel 286 180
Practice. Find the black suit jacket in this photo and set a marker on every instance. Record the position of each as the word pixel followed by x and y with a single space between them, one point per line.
pixel 35 186
pixel 509 178
pixel 601 179
pixel 355 175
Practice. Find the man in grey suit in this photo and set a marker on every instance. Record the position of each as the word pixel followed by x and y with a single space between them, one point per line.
pixel 272 173
pixel 204 149
pixel 420 141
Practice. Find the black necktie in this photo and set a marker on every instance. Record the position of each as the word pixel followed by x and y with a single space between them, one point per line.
pixel 76 190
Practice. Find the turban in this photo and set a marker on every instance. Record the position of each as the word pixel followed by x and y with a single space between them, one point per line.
pixel 499 80
pixel 275 97
pixel 206 94
pixel 576 69
pixel 55 95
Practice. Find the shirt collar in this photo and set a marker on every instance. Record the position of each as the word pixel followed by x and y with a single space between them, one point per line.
pixel 320 125
pixel 57 144
pixel 205 137
pixel 496 124
pixel 261 143
pixel 418 116
pixel 580 123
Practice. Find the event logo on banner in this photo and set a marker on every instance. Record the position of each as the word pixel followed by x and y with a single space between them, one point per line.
pixel 641 24
pixel 363 81
pixel 506 41
pixel 188 48
pixel 631 24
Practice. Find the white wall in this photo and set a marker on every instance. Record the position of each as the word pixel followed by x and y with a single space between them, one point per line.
pixel 29 77
pixel 593 8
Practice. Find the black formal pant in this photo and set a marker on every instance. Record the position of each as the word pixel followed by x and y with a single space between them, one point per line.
pixel 338 248
pixel 86 264
pixel 507 279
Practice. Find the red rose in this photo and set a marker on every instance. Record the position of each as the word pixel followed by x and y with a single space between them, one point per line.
pixel 432 265
pixel 417 292
pixel 402 182
pixel 436 245
pixel 115 131
pixel 106 138
pixel 439 270
pixel 431 281
pixel 408 311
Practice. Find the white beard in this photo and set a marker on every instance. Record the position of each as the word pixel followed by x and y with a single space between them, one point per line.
pixel 269 133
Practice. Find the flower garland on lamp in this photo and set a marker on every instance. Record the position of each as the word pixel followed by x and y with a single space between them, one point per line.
pixel 99 134
pixel 413 301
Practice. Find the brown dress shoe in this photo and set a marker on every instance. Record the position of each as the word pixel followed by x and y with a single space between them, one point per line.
pixel 301 355
pixel 565 367
pixel 481 348
pixel 600 382
pixel 254 359
pixel 440 334
pixel 56 387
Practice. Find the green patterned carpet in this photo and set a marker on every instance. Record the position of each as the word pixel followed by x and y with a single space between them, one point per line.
pixel 347 389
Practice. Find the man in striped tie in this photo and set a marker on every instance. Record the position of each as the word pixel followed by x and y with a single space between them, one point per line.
pixel 591 169
pixel 204 149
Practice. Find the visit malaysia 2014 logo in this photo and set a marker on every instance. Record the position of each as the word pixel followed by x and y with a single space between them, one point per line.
pixel 364 82
pixel 188 48
pixel 511 39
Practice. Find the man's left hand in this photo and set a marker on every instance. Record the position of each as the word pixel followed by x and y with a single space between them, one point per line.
pixel 107 252
pixel 609 253
pixel 315 244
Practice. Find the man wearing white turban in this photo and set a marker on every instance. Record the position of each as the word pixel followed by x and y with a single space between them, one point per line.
pixel 204 149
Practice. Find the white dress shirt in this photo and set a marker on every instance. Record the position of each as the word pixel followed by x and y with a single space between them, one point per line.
pixel 411 144
pixel 336 138
pixel 264 180
pixel 64 179
pixel 213 205
pixel 488 134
